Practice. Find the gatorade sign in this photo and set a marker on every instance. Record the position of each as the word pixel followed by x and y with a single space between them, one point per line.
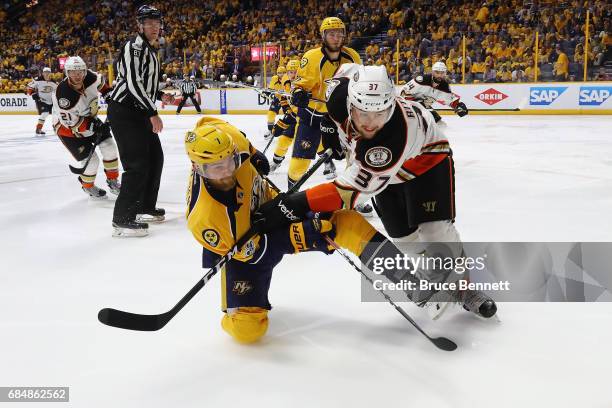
pixel 545 95
pixel 593 95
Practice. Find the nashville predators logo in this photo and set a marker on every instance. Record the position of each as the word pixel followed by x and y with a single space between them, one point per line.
pixel 305 144
pixel 190 137
pixel 303 62
pixel 211 237
pixel 242 287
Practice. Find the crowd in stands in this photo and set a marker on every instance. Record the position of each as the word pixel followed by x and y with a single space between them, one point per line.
pixel 499 39
pixel 209 39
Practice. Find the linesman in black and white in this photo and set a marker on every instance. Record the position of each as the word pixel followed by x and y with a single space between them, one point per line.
pixel 135 122
pixel 188 88
pixel 41 90
pixel 429 88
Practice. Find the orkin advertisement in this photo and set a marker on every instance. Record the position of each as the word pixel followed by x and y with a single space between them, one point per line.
pixel 537 98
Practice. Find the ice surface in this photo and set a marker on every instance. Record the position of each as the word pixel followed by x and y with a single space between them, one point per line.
pixel 519 178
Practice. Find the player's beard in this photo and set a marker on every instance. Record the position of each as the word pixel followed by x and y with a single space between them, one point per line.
pixel 333 49
pixel 224 184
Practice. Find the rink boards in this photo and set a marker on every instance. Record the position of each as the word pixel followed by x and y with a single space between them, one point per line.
pixel 559 98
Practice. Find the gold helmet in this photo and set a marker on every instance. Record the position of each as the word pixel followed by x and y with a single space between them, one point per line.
pixel 293 65
pixel 280 70
pixel 331 23
pixel 211 148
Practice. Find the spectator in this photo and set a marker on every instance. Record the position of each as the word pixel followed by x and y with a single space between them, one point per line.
pixel 518 75
pixel 561 68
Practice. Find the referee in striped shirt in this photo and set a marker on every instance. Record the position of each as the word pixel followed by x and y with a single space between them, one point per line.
pixel 135 123
pixel 188 90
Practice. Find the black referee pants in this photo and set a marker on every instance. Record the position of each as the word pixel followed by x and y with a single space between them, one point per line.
pixel 193 100
pixel 142 159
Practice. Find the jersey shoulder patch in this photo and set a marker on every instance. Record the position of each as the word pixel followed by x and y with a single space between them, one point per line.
pixel 67 97
pixel 336 99
pixel 423 79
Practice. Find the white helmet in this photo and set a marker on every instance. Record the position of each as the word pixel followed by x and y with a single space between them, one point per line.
pixel 439 67
pixel 46 69
pixel 370 89
pixel 74 64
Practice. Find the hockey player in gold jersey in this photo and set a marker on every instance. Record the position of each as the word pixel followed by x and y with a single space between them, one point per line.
pixel 225 190
pixel 284 128
pixel 276 84
pixel 317 66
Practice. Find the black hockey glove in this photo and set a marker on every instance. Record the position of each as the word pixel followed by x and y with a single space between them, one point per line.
pixel 260 162
pixel 282 210
pixel 36 97
pixel 461 110
pixel 101 128
pixel 330 137
pixel 300 98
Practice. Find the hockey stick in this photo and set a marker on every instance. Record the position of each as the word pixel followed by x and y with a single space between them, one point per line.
pixel 267 91
pixel 442 343
pixel 269 143
pixel 141 322
pixel 97 141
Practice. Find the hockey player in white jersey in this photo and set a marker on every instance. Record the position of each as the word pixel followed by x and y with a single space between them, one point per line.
pixel 429 88
pixel 41 90
pixel 76 123
pixel 395 153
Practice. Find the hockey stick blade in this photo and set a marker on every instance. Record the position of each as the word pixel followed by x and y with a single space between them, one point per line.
pixel 132 321
pixel 76 170
pixel 442 343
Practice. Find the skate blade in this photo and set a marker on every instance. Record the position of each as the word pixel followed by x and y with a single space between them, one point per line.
pixel 330 176
pixel 100 198
pixel 129 233
pixel 150 219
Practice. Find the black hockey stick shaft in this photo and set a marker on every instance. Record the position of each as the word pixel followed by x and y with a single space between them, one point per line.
pixel 267 90
pixel 77 170
pixel 442 343
pixel 269 143
pixel 141 322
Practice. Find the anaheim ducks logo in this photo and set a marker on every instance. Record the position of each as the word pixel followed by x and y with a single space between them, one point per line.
pixel 378 156
pixel 211 237
pixel 63 103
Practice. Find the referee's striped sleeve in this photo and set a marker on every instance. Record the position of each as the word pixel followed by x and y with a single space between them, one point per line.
pixel 132 59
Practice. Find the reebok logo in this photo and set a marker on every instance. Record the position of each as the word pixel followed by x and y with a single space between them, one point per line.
pixel 287 212
pixel 491 96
